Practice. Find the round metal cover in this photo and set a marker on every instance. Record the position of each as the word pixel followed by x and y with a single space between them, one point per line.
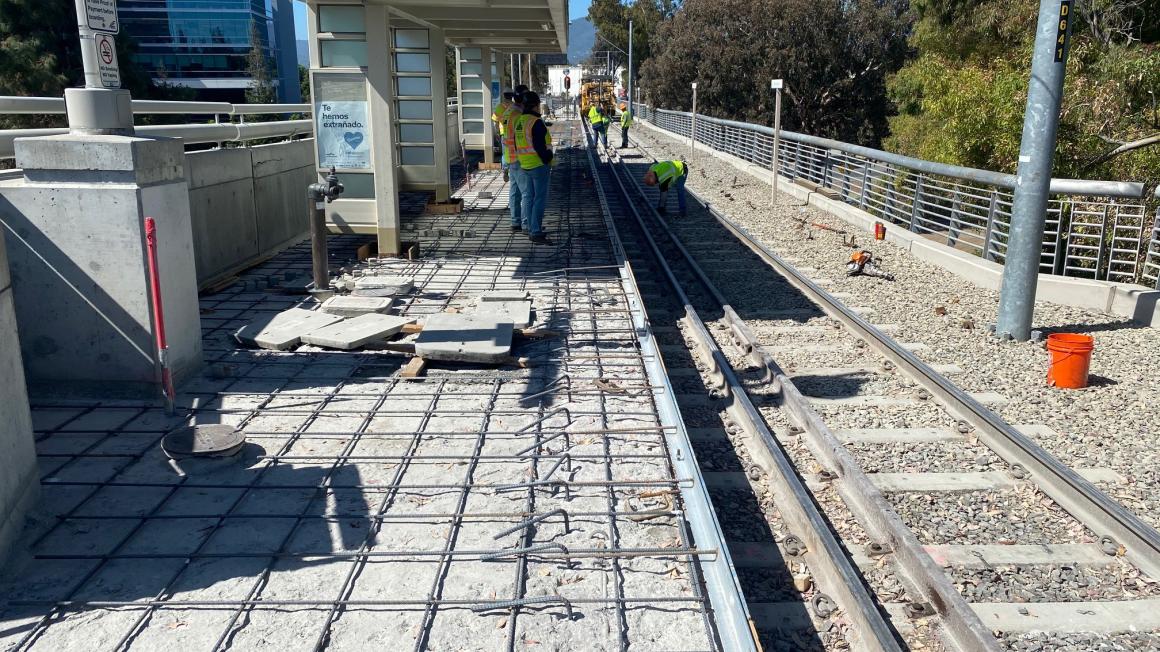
pixel 210 439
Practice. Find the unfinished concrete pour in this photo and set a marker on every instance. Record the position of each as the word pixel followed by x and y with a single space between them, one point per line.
pixel 372 512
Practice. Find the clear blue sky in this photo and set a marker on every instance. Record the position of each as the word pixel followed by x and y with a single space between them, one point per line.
pixel 576 9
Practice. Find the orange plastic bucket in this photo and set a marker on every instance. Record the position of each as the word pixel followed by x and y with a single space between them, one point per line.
pixel 1071 355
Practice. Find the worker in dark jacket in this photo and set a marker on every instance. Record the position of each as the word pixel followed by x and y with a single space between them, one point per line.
pixel 535 157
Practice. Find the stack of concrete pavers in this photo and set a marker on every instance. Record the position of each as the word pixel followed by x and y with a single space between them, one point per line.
pixel 465 338
pixel 357 331
pixel 295 326
pixel 382 286
pixel 350 306
pixel 284 330
pixel 508 305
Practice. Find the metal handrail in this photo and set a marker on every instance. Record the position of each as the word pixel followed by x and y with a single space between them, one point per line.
pixel 1086 187
pixel 55 106
pixel 191 133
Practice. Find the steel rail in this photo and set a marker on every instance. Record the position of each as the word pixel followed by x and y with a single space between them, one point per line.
pixel 1078 496
pixel 734 626
pixel 1083 500
pixel 824 554
pixel 963 627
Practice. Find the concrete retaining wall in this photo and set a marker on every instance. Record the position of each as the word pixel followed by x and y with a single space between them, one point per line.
pixel 247 203
pixel 19 484
pixel 1135 302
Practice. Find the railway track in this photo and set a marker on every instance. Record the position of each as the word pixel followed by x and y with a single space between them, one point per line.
pixel 919 517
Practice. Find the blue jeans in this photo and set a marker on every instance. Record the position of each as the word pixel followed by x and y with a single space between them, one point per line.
pixel 534 186
pixel 602 133
pixel 679 184
pixel 515 193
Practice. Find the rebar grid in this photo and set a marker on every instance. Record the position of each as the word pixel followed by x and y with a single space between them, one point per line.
pixel 351 472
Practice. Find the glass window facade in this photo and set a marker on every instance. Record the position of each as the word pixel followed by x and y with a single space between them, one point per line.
pixel 199 43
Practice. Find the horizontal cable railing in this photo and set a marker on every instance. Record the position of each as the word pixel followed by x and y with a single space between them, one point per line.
pixel 217 131
pixel 1152 258
pixel 1094 229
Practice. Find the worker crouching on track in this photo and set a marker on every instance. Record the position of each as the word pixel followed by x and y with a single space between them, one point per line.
pixel 513 172
pixel 599 121
pixel 535 156
pixel 625 123
pixel 668 173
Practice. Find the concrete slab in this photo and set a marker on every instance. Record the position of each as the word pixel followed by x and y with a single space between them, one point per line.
pixel 894 435
pixel 285 329
pixel 345 306
pixel 519 313
pixel 357 331
pixel 382 286
pixel 465 338
pixel 1071 617
pixel 504 295
pixel 980 556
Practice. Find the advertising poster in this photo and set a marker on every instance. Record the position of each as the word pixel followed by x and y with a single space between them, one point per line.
pixel 343 135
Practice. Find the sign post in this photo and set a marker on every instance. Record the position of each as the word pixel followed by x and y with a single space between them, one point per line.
pixel 693 127
pixel 101 107
pixel 1033 174
pixel 776 85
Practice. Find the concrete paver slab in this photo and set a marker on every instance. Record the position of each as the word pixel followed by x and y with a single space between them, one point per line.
pixel 357 331
pixel 354 306
pixel 285 329
pixel 382 286
pixel 504 295
pixel 517 312
pixel 465 338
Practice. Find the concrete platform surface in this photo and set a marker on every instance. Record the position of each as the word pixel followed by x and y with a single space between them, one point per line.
pixel 351 306
pixel 382 286
pixel 518 313
pixel 356 331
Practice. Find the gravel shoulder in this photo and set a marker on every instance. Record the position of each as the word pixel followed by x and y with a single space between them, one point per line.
pixel 1109 424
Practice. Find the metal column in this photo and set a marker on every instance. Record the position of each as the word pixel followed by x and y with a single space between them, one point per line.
pixel 1033 176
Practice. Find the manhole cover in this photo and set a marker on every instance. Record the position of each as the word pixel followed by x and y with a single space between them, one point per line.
pixel 205 440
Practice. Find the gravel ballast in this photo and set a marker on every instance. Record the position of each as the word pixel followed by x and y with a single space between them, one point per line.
pixel 1108 424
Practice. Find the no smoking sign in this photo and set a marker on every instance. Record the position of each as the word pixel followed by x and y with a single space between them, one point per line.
pixel 107 61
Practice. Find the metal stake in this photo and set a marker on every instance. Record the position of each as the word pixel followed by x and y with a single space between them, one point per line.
pixel 776 85
pixel 1033 176
pixel 693 129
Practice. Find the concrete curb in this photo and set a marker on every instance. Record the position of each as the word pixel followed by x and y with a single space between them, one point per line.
pixel 1135 302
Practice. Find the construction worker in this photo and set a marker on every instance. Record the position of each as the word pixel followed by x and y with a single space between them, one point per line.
pixel 499 117
pixel 599 121
pixel 666 174
pixel 515 193
pixel 534 154
pixel 625 123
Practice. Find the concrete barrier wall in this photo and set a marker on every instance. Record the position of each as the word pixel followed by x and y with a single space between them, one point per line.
pixel 247 203
pixel 1136 302
pixel 19 484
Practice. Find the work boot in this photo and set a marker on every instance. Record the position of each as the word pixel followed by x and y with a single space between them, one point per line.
pixel 662 210
pixel 505 175
pixel 517 227
pixel 540 239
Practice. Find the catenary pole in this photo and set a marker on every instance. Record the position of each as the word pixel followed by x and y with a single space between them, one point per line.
pixel 1033 174
pixel 776 85
pixel 630 69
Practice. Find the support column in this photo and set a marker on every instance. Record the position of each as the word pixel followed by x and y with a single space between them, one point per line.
pixel 488 105
pixel 19 482
pixel 443 149
pixel 354 108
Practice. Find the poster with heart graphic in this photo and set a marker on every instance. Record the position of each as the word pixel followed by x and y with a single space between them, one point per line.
pixel 343 135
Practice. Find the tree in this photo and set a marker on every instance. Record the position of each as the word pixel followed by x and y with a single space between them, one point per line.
pixel 261 88
pixel 961 99
pixel 834 56
pixel 610 19
pixel 304 82
pixel 40 56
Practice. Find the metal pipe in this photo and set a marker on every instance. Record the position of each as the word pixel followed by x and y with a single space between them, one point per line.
pixel 317 196
pixel 1033 176
pixel 159 315
pixel 630 68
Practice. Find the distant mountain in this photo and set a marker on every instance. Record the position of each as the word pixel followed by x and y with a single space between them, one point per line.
pixel 303 53
pixel 581 38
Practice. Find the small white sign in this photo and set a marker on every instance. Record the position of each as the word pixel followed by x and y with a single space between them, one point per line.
pixel 775 84
pixel 343 135
pixel 694 85
pixel 101 16
pixel 107 61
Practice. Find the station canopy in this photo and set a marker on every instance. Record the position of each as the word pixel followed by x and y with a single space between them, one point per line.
pixel 525 26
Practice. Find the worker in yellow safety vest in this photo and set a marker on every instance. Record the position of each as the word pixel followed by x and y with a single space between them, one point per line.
pixel 512 170
pixel 625 123
pixel 599 121
pixel 535 157
pixel 665 174
pixel 498 116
